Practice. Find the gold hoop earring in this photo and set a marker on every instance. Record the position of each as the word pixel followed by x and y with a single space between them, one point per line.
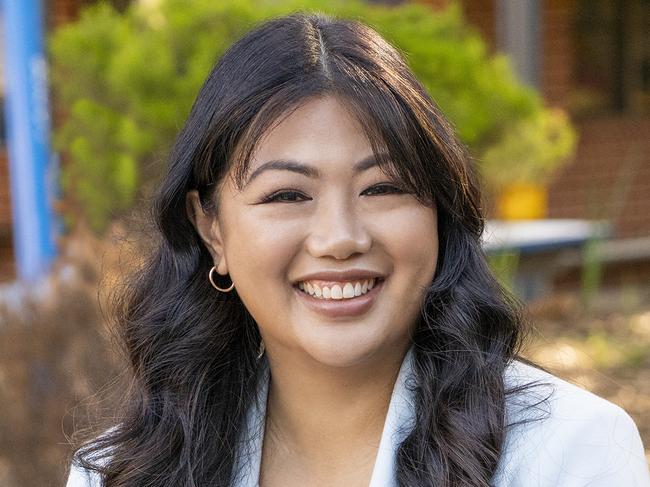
pixel 261 350
pixel 211 278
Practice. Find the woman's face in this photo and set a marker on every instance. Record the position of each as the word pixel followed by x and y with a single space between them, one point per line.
pixel 325 251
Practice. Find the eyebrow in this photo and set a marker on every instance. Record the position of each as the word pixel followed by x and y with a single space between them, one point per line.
pixel 305 169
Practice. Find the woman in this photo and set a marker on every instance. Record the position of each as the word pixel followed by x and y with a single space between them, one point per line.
pixel 318 310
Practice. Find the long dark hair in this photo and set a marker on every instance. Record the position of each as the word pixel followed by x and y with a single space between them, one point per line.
pixel 192 352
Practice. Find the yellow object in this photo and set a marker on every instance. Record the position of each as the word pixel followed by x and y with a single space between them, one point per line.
pixel 523 201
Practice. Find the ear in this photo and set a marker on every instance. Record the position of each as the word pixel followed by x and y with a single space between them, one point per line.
pixel 208 227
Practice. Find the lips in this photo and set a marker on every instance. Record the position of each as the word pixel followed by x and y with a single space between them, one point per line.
pixel 341 308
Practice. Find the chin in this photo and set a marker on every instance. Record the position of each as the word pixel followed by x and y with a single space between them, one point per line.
pixel 342 353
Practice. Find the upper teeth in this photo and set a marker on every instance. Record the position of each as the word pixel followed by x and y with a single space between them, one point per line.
pixel 343 290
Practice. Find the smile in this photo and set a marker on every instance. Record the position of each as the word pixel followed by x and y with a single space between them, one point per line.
pixel 343 290
pixel 333 301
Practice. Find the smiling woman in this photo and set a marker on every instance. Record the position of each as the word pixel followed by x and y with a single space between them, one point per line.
pixel 318 213
pixel 319 310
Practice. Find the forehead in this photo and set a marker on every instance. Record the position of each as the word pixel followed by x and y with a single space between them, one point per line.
pixel 319 130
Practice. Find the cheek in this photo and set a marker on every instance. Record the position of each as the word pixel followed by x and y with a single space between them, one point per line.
pixel 258 251
pixel 258 254
pixel 415 252
pixel 410 237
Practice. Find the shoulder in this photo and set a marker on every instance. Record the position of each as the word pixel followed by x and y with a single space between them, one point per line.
pixel 81 477
pixel 560 434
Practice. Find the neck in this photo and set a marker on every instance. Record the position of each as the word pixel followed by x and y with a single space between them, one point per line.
pixel 326 417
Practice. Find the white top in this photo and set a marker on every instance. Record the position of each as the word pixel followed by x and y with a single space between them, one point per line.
pixel 581 439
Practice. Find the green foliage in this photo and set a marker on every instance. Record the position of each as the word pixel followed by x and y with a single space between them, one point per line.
pixel 592 270
pixel 530 151
pixel 504 264
pixel 128 81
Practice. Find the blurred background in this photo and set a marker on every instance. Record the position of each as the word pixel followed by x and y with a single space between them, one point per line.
pixel 552 98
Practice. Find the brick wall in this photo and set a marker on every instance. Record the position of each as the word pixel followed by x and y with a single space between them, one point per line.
pixel 556 53
pixel 610 177
pixel 7 266
pixel 60 12
pixel 6 251
pixel 5 207
pixel 482 15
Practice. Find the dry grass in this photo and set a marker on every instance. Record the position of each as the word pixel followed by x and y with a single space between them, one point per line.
pixel 54 356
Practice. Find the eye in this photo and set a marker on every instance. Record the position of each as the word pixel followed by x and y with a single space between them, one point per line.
pixel 381 189
pixel 285 196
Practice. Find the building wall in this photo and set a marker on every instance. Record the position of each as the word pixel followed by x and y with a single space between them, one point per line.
pixel 556 51
pixel 610 178
pixel 5 205
pixel 482 15
pixel 62 11
pixel 610 174
pixel 6 250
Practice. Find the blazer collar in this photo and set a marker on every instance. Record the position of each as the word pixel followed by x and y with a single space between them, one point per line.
pixel 399 422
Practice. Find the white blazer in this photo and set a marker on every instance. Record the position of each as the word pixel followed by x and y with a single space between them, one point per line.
pixel 579 439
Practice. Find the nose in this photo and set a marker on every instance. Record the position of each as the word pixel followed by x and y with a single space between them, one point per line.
pixel 337 231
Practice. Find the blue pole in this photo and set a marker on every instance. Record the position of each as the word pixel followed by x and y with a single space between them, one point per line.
pixel 31 169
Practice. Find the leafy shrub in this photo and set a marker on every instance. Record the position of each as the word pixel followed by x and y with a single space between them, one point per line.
pixel 128 81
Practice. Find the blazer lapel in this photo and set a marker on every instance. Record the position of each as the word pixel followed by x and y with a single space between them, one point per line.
pixel 400 421
pixel 249 455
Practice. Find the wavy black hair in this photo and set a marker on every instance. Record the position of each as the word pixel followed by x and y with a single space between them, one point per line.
pixel 192 353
